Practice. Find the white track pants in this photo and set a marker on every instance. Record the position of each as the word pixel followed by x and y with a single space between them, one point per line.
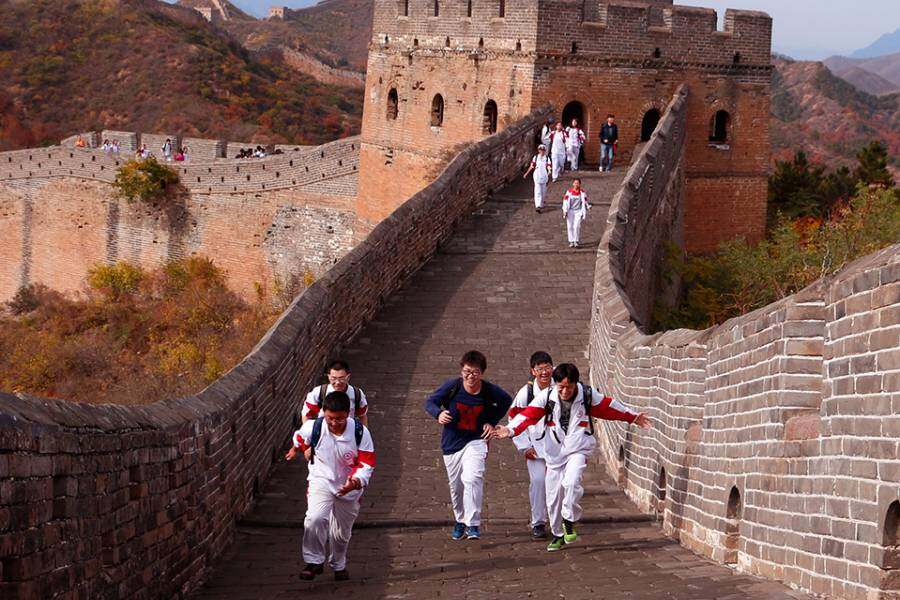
pixel 329 518
pixel 537 491
pixel 573 226
pixel 564 492
pixel 572 156
pixel 559 164
pixel 540 192
pixel 465 470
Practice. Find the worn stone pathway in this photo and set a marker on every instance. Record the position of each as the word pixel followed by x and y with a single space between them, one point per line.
pixel 507 285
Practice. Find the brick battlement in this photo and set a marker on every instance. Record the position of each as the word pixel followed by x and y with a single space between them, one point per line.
pixel 309 167
pixel 774 445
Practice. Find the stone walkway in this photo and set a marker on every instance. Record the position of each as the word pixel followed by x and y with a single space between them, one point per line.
pixel 507 285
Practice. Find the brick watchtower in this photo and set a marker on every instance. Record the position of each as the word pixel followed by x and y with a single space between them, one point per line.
pixel 443 73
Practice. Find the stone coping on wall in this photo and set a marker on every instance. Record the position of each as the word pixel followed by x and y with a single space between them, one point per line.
pixel 116 501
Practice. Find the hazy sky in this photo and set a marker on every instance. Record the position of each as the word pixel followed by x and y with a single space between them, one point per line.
pixel 810 29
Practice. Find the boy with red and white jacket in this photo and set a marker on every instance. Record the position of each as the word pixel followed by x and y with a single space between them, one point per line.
pixel 567 410
pixel 338 372
pixel 575 207
pixel 341 459
pixel 531 443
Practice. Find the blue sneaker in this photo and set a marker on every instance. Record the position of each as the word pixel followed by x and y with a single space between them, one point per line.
pixel 473 533
pixel 459 530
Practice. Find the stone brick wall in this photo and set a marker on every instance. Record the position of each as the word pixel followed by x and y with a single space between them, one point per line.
pixel 118 501
pixel 320 71
pixel 775 440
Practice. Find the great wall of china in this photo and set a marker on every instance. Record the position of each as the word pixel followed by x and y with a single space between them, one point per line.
pixel 776 437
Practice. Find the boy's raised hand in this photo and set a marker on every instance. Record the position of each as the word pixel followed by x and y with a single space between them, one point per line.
pixel 502 432
pixel 349 485
pixel 291 454
pixel 643 421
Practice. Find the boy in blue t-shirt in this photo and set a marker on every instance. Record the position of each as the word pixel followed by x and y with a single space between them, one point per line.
pixel 469 408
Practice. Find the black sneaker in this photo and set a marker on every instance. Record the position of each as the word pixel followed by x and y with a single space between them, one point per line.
pixel 539 532
pixel 342 575
pixel 310 571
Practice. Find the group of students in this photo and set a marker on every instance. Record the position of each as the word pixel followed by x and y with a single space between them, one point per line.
pixel 551 421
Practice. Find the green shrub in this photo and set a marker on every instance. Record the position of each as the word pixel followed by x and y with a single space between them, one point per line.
pixel 146 180
pixel 115 281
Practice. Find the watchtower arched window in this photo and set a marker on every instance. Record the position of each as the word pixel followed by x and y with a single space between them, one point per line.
pixel 437 8
pixel 392 104
pixel 891 542
pixel 733 511
pixel 437 110
pixel 719 127
pixel 501 12
pixel 469 8
pixel 489 122
pixel 649 123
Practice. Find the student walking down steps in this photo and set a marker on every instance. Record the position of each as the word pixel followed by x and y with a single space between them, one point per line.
pixel 540 165
pixel 567 410
pixel 575 207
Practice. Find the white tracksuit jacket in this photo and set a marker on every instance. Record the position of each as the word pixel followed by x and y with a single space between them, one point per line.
pixel 337 457
pixel 311 407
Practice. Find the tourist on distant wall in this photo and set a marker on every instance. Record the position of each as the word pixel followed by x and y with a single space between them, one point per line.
pixel 115 147
pixel 547 131
pixel 80 143
pixel 341 459
pixel 575 140
pixel 558 150
pixel 142 152
pixel 469 408
pixel 609 140
pixel 179 155
pixel 185 153
pixel 338 373
pixel 540 165
pixel 167 149
pixel 575 207
pixel 531 443
pixel 106 147
pixel 567 410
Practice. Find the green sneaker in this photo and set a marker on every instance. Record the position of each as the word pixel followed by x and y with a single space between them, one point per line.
pixel 556 544
pixel 571 535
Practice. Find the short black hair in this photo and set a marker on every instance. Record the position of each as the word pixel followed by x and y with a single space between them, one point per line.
pixel 540 358
pixel 474 358
pixel 336 402
pixel 566 371
pixel 610 116
pixel 338 365
pixel 578 179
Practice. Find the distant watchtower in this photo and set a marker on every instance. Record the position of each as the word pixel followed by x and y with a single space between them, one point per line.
pixel 441 74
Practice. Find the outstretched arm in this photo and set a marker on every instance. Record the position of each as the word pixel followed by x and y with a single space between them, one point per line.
pixel 613 410
pixel 530 415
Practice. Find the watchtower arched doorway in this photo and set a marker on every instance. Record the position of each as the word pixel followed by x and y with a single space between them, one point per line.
pixel 890 577
pixel 649 123
pixel 575 110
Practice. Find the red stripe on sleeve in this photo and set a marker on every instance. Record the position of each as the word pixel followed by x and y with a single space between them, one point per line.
pixel 532 414
pixel 605 411
pixel 366 457
pixel 362 410
pixel 313 409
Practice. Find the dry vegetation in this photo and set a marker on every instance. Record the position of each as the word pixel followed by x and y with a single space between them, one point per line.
pixel 133 337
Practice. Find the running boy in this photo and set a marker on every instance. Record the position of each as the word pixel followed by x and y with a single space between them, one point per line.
pixel 531 443
pixel 469 408
pixel 575 207
pixel 341 461
pixel 567 410
pixel 338 372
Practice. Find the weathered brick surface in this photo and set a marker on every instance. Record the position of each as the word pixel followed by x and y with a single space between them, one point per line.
pixel 118 501
pixel 792 407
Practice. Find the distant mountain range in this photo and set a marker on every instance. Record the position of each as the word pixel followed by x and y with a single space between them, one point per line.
pixel 879 75
pixel 889 43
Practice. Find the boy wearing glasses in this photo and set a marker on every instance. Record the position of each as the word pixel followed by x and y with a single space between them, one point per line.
pixel 338 372
pixel 531 443
pixel 469 408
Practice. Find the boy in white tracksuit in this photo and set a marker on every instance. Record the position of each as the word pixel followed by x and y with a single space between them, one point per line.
pixel 341 462
pixel 558 150
pixel 569 443
pixel 575 138
pixel 338 372
pixel 531 443
pixel 547 131
pixel 540 165
pixel 575 207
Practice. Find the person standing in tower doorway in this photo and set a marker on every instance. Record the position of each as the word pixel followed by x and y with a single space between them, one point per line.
pixel 469 409
pixel 575 140
pixel 575 207
pixel 531 443
pixel 609 141
pixel 558 150
pixel 540 165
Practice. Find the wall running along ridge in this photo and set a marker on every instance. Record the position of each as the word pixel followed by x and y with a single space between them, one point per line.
pixel 112 501
pixel 775 440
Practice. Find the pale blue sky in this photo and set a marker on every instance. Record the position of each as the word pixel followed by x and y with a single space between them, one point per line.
pixel 807 29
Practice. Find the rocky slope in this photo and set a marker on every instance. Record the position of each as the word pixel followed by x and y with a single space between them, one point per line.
pixel 879 75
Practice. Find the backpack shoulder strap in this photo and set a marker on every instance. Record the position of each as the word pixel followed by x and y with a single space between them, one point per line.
pixel 588 393
pixel 314 438
pixel 358 431
pixel 322 389
pixel 356 397
pixel 530 392
pixel 454 389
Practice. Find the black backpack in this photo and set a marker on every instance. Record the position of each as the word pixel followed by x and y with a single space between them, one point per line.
pixel 317 435
pixel 356 396
pixel 587 398
pixel 454 389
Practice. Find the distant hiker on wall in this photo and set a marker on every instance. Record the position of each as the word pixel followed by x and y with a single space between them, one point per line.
pixel 468 408
pixel 167 149
pixel 547 131
pixel 338 373
pixel 80 143
pixel 609 141
pixel 341 459
pixel 115 147
pixel 540 166
pixel 568 410
pixel 575 207
pixel 106 147
pixel 575 140
pixel 558 144
pixel 531 442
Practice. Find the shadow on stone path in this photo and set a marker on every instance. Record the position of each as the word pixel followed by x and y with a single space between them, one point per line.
pixel 507 285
